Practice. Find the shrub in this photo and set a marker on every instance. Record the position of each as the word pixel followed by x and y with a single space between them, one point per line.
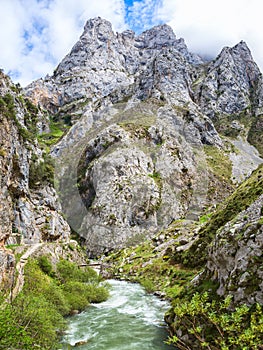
pixel 45 265
pixel 35 318
pixel 68 271
pixel 210 324
pixel 41 172
pixel 76 295
pixel 40 319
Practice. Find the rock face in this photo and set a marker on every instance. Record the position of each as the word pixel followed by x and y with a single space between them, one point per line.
pixel 142 111
pixel 104 64
pixel 235 257
pixel 29 212
pixel 231 83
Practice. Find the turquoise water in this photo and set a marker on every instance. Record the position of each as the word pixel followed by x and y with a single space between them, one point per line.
pixel 130 319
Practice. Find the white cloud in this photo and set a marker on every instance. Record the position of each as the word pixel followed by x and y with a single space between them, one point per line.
pixel 208 26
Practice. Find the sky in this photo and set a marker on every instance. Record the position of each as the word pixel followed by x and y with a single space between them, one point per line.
pixel 35 35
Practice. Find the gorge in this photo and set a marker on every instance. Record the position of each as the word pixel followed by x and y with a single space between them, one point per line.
pixel 149 158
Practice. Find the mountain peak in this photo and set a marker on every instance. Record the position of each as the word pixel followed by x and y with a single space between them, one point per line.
pixel 241 45
pixel 98 27
pixel 156 37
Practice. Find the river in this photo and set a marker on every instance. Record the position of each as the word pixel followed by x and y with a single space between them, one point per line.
pixel 130 319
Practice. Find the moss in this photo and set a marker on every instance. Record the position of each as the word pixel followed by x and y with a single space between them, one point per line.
pixel 2 152
pixel 156 272
pixel 223 123
pixel 138 125
pixel 8 108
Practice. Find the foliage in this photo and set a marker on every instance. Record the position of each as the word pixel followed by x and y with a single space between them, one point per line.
pixel 8 108
pixel 13 334
pixel 35 320
pixel 224 123
pixel 45 265
pixel 154 272
pixel 212 325
pixel 67 271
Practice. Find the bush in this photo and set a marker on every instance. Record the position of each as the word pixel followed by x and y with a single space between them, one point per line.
pixel 35 318
pixel 210 324
pixel 41 172
pixel 68 271
pixel 13 335
pixel 76 295
pixel 96 293
pixel 40 319
pixel 45 265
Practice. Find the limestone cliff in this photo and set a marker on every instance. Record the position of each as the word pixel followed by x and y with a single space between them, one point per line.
pixel 29 209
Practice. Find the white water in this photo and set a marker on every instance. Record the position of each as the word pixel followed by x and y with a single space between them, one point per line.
pixel 130 319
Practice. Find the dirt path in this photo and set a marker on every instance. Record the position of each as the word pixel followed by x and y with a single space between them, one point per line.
pixel 20 271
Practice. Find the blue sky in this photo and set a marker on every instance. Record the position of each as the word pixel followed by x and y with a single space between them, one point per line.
pixel 36 34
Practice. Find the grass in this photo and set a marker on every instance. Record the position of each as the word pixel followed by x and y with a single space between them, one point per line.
pixel 138 125
pixel 255 134
pixel 155 272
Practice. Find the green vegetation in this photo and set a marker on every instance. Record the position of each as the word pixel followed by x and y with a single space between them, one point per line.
pixel 7 108
pixel 41 171
pixel 138 127
pixel 241 198
pixel 29 132
pixel 57 130
pixel 250 125
pixel 34 320
pixel 2 152
pixel 210 324
pixel 155 272
pixel 219 163
pixel 224 123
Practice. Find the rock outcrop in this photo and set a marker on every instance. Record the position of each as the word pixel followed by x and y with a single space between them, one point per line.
pixel 235 256
pixel 29 209
pixel 142 111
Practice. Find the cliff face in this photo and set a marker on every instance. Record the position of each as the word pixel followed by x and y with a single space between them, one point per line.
pixel 30 212
pixel 143 149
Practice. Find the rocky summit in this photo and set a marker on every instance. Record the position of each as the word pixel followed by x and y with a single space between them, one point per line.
pixel 129 137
